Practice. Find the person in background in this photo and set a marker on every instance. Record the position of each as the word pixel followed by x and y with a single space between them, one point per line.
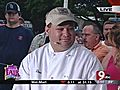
pixel 14 41
pixel 112 67
pixel 91 35
pixel 38 41
pixel 107 26
pixel 61 58
pixel 78 38
pixel 21 21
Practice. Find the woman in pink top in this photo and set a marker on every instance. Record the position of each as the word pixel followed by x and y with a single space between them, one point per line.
pixel 113 66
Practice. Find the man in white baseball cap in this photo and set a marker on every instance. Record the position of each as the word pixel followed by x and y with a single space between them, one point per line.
pixel 61 58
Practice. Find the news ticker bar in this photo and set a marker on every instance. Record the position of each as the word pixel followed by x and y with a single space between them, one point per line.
pixel 60 82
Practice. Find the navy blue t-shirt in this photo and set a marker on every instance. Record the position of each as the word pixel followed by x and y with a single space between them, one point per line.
pixel 14 46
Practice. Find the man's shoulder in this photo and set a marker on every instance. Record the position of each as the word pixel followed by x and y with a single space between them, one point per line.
pixel 26 31
pixel 24 28
pixel 38 52
pixel 82 47
pixel 41 49
pixel 39 40
pixel 84 55
pixel 103 48
pixel 83 50
pixel 39 36
pixel 4 29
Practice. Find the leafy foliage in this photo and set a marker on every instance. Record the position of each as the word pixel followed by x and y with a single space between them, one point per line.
pixel 35 10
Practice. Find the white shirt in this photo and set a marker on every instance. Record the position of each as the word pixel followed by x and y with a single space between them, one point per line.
pixel 75 63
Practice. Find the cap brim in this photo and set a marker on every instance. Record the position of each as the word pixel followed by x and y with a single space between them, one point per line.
pixel 13 11
pixel 60 20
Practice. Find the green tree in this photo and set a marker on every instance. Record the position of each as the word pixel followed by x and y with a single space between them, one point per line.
pixel 35 10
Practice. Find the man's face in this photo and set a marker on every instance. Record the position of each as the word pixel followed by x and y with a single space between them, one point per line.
pixel 106 29
pixel 62 35
pixel 90 39
pixel 12 17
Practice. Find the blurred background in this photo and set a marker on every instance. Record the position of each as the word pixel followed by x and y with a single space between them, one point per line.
pixel 33 11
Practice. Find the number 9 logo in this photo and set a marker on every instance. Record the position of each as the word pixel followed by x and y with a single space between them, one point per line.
pixel 100 75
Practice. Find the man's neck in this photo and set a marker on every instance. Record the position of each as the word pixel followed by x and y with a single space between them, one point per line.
pixel 59 48
pixel 13 25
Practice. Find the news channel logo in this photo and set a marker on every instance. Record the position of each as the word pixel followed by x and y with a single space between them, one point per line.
pixel 102 75
pixel 114 9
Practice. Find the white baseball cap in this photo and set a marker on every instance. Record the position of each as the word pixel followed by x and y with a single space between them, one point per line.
pixel 58 15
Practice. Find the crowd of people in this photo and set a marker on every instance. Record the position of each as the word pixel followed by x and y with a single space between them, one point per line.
pixel 60 52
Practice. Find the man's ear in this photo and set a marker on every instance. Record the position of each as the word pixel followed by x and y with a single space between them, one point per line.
pixel 46 30
pixel 97 37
